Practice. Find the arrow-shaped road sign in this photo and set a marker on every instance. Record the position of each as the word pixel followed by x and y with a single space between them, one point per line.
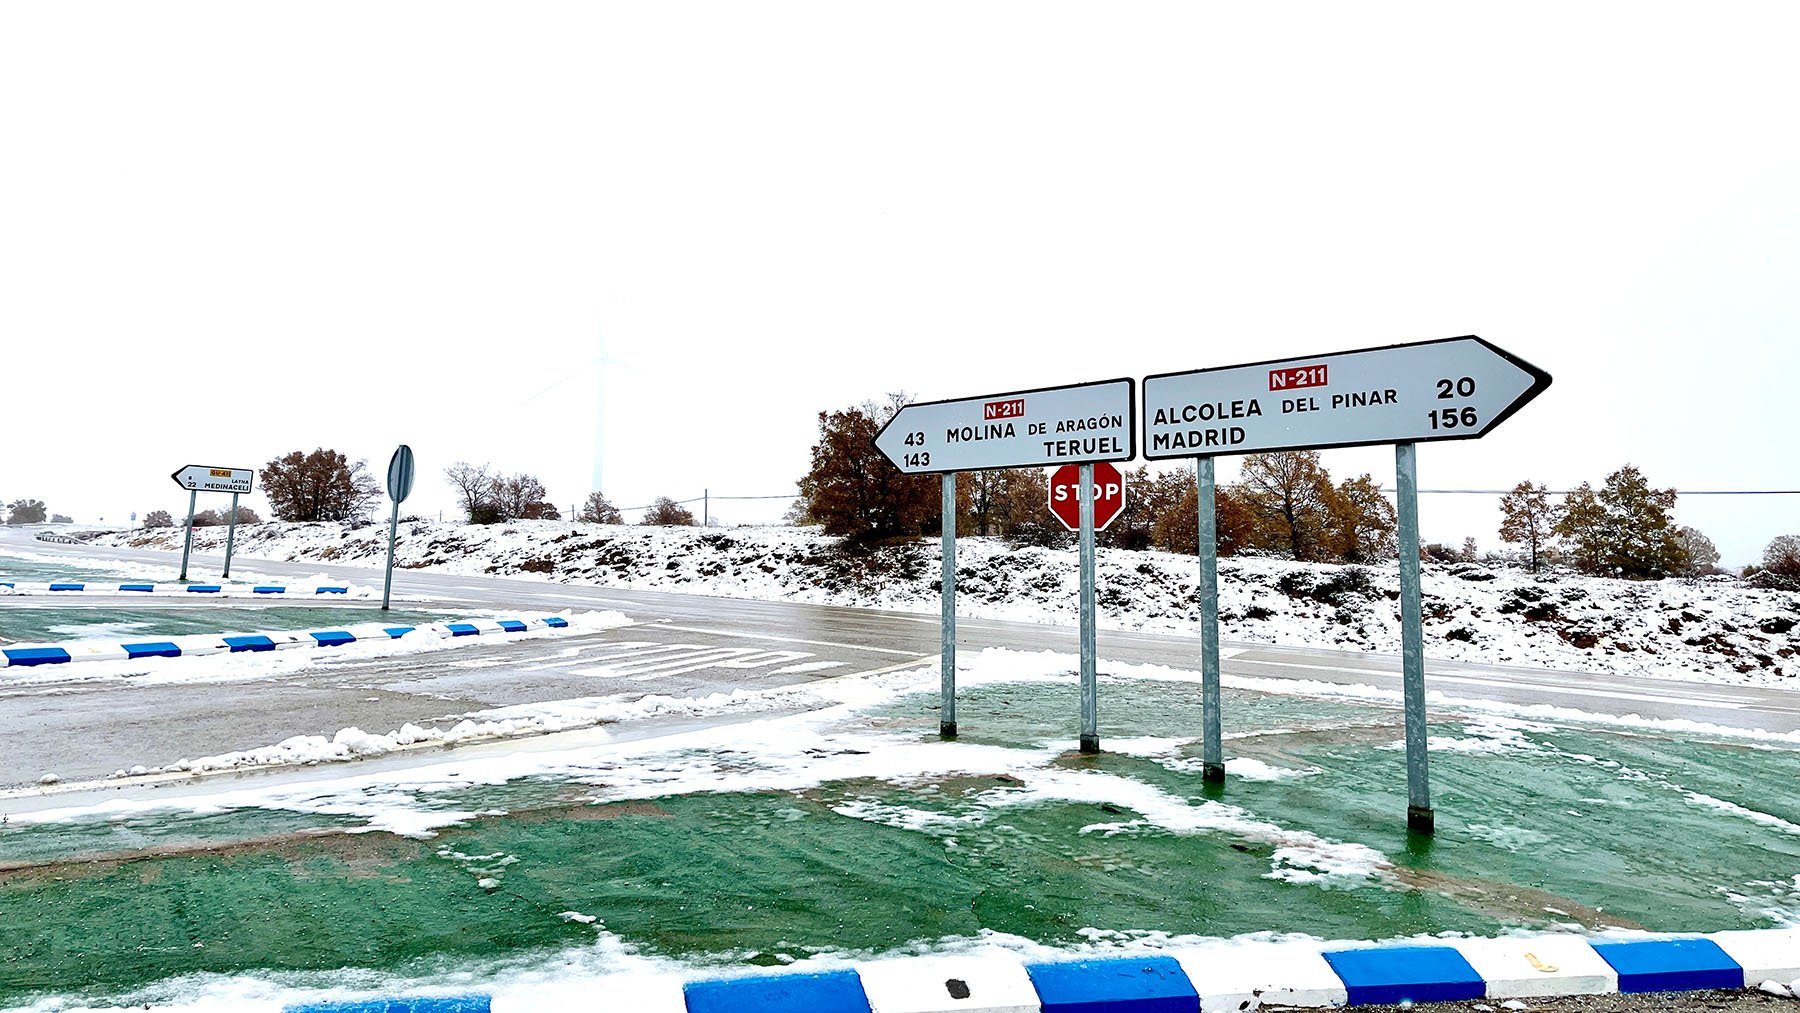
pixel 1021 429
pixel 201 478
pixel 1451 389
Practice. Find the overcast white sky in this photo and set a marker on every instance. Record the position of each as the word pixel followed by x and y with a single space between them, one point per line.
pixel 230 230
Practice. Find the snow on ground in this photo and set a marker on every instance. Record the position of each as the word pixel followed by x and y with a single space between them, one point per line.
pixel 1712 628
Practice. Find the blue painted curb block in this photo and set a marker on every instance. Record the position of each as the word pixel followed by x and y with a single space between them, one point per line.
pixel 462 630
pixel 1397 974
pixel 249 643
pixel 827 992
pixel 68 587
pixel 511 625
pixel 152 649
pixel 268 589
pixel 331 590
pixel 1670 965
pixel 204 588
pixel 35 655
pixel 436 1004
pixel 555 622
pixel 396 632
pixel 1125 985
pixel 146 588
pixel 333 638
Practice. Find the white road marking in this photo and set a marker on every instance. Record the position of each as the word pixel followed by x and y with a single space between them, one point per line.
pixel 811 666
pixel 686 657
pixel 1685 696
pixel 772 658
pixel 613 648
pixel 695 659
pixel 1717 703
pixel 786 640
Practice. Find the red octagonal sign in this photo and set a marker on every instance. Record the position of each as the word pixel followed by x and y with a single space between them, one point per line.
pixel 1065 497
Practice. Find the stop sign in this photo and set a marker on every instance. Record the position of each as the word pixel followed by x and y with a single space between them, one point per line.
pixel 1065 497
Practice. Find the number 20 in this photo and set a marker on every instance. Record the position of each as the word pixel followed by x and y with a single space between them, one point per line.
pixel 1463 387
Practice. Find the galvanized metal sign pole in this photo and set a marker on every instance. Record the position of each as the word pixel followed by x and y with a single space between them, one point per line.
pixel 1212 738
pixel 947 637
pixel 1090 651
pixel 1073 425
pixel 1085 498
pixel 187 546
pixel 1419 817
pixel 230 534
pixel 1452 389
pixel 399 483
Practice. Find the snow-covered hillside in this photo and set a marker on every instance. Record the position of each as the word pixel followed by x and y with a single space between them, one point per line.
pixel 1712 628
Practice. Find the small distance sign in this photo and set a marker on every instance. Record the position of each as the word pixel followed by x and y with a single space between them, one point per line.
pixel 1019 429
pixel 1450 389
pixel 205 478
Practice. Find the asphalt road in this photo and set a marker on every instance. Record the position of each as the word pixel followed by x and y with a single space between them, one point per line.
pixel 680 645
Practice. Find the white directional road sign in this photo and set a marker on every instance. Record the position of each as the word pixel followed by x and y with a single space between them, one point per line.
pixel 201 478
pixel 1021 429
pixel 1451 389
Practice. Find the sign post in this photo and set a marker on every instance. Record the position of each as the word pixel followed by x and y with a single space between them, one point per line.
pixel 1090 653
pixel 230 534
pixel 1076 424
pixel 1212 736
pixel 1419 817
pixel 947 609
pixel 399 484
pixel 1086 498
pixel 187 546
pixel 199 478
pixel 1451 389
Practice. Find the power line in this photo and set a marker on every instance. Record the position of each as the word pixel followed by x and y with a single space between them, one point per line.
pixel 1565 492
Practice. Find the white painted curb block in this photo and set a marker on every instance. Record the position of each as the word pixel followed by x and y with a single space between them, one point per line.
pixel 1539 966
pixel 1763 953
pixel 933 984
pixel 97 651
pixel 199 643
pixel 1282 974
